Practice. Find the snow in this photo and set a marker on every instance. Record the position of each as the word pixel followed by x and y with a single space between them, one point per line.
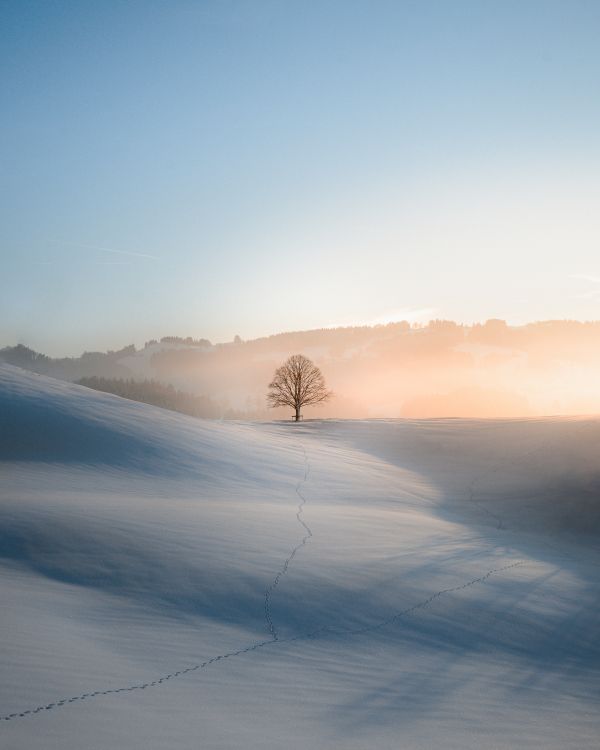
pixel 378 583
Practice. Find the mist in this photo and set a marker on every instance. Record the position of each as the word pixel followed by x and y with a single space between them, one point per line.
pixel 439 370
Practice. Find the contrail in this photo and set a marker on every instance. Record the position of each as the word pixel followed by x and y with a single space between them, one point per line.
pixel 127 252
pixel 104 249
pixel 112 262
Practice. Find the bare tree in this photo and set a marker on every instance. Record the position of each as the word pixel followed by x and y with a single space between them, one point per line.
pixel 297 383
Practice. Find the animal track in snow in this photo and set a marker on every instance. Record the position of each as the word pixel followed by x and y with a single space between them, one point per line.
pixel 288 560
pixel 274 639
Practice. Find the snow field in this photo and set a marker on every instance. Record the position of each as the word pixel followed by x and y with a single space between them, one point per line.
pixel 366 584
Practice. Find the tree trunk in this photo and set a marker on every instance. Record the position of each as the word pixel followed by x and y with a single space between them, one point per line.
pixel 297 414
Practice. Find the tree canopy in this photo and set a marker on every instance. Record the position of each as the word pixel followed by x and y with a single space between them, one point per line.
pixel 297 383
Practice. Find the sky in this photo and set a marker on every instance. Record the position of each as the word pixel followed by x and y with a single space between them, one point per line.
pixel 213 169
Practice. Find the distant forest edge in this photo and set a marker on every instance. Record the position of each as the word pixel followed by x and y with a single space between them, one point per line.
pixel 442 369
pixel 158 394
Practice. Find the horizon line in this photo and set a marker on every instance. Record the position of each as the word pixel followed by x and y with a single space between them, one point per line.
pixel 413 326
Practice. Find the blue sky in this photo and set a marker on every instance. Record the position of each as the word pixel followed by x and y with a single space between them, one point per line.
pixel 222 168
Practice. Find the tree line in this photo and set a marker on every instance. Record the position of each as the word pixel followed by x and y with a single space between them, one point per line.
pixel 157 394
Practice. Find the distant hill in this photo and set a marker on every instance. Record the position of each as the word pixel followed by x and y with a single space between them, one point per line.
pixel 442 369
pixel 104 364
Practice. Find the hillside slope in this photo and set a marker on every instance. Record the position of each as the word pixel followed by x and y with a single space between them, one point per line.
pixel 171 582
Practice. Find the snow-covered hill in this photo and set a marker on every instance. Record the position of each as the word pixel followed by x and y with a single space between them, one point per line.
pixel 173 583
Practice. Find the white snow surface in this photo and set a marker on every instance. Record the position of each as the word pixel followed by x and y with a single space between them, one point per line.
pixel 169 582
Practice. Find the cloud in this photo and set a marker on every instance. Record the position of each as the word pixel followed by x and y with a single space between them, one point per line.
pixel 593 294
pixel 412 315
pixel 585 277
pixel 590 293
